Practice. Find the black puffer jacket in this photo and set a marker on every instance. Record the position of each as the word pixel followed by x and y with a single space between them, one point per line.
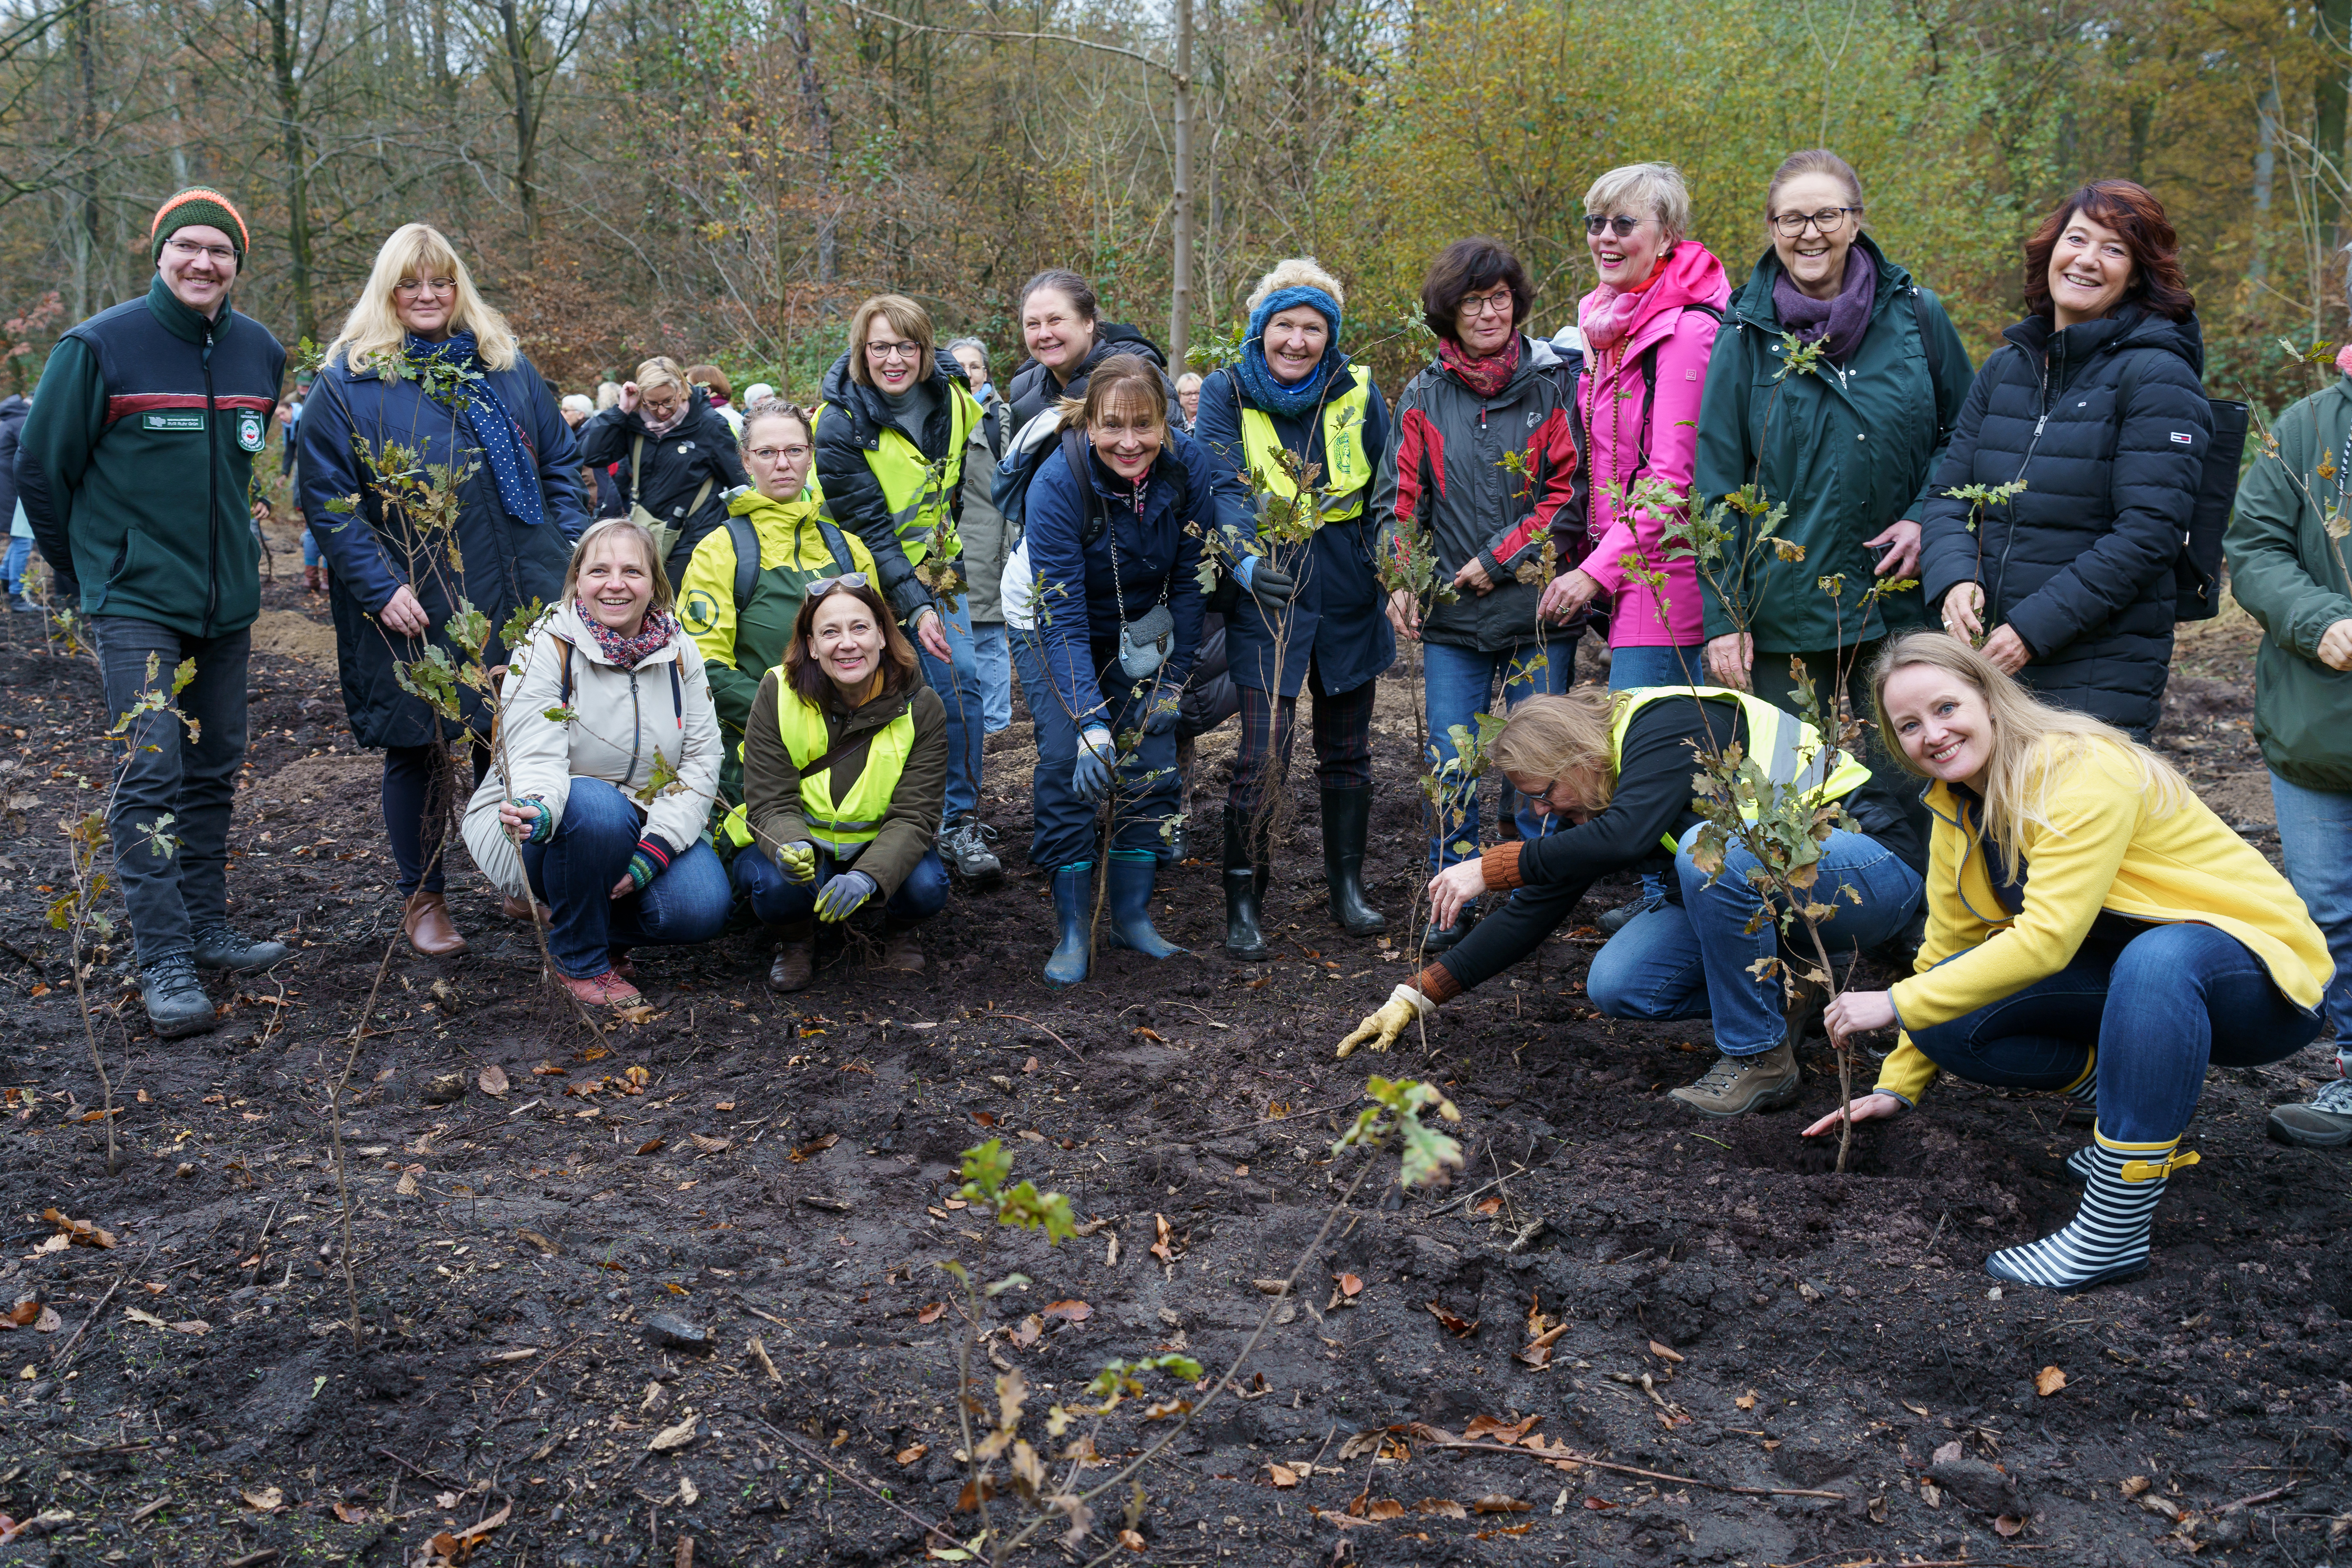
pixel 701 448
pixel 2080 562
pixel 848 429
pixel 1034 390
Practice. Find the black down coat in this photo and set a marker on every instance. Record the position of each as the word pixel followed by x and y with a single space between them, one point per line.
pixel 700 450
pixel 2080 562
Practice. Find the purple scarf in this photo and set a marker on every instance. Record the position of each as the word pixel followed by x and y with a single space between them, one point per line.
pixel 1841 319
pixel 629 652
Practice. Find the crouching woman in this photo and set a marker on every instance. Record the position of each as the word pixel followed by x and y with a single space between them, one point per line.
pixel 2093 930
pixel 1616 768
pixel 603 776
pixel 844 772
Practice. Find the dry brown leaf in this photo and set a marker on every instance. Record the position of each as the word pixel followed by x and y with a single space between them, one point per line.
pixel 1498 1502
pixel 1328 1516
pixel 1271 1287
pixel 814 1147
pixel 1351 1285
pixel 932 1314
pixel 1385 1507
pixel 909 1456
pixel 549 1069
pixel 25 1313
pixel 1026 1333
pixel 677 1436
pixel 711 1145
pixel 263 1500
pixel 79 1232
pixel 2008 1525
pixel 640 1014
pixel 49 1322
pixel 546 1247
pixel 1919 1410
pixel 1074 1311
pixel 406 1186
pixel 1747 1401
pixel 1539 1354
pixel 2135 1485
pixel 1360 1443
pixel 1460 1327
pixel 2048 1380
pixel 1164 1248
pixel 1131 1541
pixel 1663 1353
pixel 1441 1508
pixel 1500 1431
pixel 1283 1475
pixel 351 1513
pixel 493 1080
pixel 1489 1205
pixel 650 1144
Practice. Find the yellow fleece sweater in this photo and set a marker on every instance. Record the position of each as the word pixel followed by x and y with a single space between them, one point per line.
pixel 2105 848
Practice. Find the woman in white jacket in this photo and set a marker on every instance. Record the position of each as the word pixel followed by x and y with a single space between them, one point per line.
pixel 607 768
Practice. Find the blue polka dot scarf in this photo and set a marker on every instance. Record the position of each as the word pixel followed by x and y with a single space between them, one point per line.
pixel 496 435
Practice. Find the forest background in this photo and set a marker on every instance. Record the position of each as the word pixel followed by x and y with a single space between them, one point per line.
pixel 721 179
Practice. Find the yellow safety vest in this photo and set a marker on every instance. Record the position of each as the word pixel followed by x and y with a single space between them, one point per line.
pixel 851 823
pixel 1790 750
pixel 1347 473
pixel 916 505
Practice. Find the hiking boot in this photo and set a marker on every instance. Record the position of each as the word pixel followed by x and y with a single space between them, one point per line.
pixel 2323 1121
pixel 1733 1086
pixel 430 932
pixel 964 847
pixel 1346 823
pixel 605 990
pixel 902 952
pixel 795 959
pixel 218 947
pixel 175 999
pixel 1611 922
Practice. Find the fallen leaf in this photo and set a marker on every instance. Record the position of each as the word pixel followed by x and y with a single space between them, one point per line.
pixel 1931 1494
pixel 2048 1380
pixel 1489 1205
pixel 265 1499
pixel 493 1080
pixel 2008 1525
pixel 192 1326
pixel 1502 1530
pixel 985 1117
pixel 640 1014
pixel 1340 1520
pixel 549 1069
pixel 1164 1248
pixel 1663 1353
pixel 711 1145
pixel 2135 1485
pixel 1386 1508
pixel 814 1146
pixel 1747 1401
pixel 406 1186
pixel 1539 1354
pixel 1496 1502
pixel 1131 1541
pixel 932 1314
pixel 150 1319
pixel 1597 1503
pixel 1026 1333
pixel 677 1436
pixel 1502 1432
pixel 1441 1508
pixel 1351 1285
pixel 1361 1443
pixel 1271 1287
pixel 79 1232
pixel 49 1322
pixel 351 1513
pixel 1283 1475
pixel 1460 1327
pixel 545 1247
pixel 1945 1454
pixel 1919 1410
pixel 650 1144
pixel 25 1312
pixel 909 1456
pixel 724 1105
pixel 1072 1311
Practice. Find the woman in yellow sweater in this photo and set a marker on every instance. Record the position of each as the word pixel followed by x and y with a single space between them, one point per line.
pixel 2092 928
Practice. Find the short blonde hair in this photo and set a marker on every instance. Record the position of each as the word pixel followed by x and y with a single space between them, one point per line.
pixel 1632 189
pixel 371 335
pixel 600 531
pixel 1296 272
pixel 1553 737
pixel 907 318
pixel 662 370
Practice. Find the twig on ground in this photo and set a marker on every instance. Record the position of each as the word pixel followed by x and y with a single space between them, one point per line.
pixel 817 1458
pixel 1446 1440
pixel 1041 1029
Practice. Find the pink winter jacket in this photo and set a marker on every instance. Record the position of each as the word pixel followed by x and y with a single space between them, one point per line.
pixel 1610 394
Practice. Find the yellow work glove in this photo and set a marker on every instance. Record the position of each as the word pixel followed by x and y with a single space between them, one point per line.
pixel 797 860
pixel 1380 1031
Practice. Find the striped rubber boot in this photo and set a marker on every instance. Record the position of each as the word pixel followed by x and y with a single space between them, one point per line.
pixel 2107 1238
pixel 2084 1095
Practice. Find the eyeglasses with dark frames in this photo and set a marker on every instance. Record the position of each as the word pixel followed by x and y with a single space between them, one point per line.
pixel 1621 226
pixel 1498 303
pixel 1826 223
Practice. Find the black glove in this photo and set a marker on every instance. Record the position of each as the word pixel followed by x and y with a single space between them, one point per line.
pixel 1271 588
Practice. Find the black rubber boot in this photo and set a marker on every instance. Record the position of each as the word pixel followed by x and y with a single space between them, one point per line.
pixel 1130 897
pixel 1439 938
pixel 1073 898
pixel 1346 822
pixel 1245 890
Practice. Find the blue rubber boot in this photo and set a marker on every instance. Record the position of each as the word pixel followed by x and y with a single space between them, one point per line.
pixel 1074 896
pixel 1131 877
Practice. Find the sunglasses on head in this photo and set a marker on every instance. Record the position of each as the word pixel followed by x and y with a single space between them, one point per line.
pixel 1596 226
pixel 820 586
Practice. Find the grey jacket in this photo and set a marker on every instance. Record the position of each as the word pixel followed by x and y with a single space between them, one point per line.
pixel 987 542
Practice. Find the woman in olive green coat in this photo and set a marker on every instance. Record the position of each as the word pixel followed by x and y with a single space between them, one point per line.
pixel 1849 446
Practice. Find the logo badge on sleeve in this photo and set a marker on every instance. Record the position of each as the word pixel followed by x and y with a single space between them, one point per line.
pixel 2183 438
pixel 249 429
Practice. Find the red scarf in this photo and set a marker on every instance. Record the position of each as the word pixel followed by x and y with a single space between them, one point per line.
pixel 653 633
pixel 1484 376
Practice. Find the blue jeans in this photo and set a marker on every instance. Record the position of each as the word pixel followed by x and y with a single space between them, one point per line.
pixel 2151 1011
pixel 1657 664
pixel 1693 959
pixel 574 872
pixel 1459 685
pixel 778 900
pixel 312 554
pixel 2315 839
pixel 990 657
pixel 1145 791
pixel 20 553
pixel 956 680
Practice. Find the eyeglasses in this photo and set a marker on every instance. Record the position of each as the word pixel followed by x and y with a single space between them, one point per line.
pixel 1826 222
pixel 1596 226
pixel 820 586
pixel 1545 799
pixel 776 454
pixel 188 251
pixel 1498 303
pixel 879 352
pixel 409 287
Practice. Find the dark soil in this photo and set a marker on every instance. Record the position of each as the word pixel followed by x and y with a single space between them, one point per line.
pixel 781 1174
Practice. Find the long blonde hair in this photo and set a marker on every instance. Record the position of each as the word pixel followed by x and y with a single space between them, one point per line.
pixel 1560 737
pixel 2034 745
pixel 372 335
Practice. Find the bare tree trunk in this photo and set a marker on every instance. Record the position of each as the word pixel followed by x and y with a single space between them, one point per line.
pixel 87 244
pixel 820 118
pixel 2327 116
pixel 284 42
pixel 2265 165
pixel 518 41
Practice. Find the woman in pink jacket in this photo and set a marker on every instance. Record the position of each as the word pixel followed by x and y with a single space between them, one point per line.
pixel 1647 331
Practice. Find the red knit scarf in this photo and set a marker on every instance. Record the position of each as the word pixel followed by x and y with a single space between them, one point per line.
pixel 1484 376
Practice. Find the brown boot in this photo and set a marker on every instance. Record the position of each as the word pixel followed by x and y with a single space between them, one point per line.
pixel 1735 1086
pixel 514 908
pixel 430 932
pixel 901 953
pixel 795 959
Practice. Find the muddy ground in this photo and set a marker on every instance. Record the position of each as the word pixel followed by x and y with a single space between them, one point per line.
pixel 1734 1315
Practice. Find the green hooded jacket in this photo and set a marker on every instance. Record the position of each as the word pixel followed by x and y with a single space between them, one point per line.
pixel 2289 575
pixel 1849 449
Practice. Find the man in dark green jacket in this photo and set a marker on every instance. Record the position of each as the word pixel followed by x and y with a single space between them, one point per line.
pixel 132 469
pixel 2289 575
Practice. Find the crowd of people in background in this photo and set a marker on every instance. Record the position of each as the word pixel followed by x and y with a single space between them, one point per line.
pixel 758 645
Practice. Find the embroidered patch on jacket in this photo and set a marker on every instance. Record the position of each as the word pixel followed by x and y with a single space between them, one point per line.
pixel 193 419
pixel 249 429
pixel 2182 438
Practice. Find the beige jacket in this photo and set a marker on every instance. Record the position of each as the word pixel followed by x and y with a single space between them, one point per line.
pixel 622 719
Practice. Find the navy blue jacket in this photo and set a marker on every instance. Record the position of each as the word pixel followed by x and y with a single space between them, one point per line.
pixel 1336 618
pixel 508 565
pixel 2080 562
pixel 1156 557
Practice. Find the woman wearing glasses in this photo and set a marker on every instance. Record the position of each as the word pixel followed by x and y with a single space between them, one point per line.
pixel 744 588
pixel 1493 394
pixel 424 362
pixel 845 764
pixel 674 458
pixel 892 436
pixel 1849 448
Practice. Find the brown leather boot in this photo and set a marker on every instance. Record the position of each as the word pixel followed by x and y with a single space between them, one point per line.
pixel 514 908
pixel 902 952
pixel 430 932
pixel 795 958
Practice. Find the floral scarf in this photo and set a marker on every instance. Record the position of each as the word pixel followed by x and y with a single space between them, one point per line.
pixel 1607 314
pixel 1486 377
pixel 629 652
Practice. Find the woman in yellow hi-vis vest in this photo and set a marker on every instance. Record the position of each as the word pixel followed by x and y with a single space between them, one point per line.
pixel 1615 768
pixel 844 763
pixel 891 438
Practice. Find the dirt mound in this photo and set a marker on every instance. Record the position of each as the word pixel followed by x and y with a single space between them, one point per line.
pixel 295 635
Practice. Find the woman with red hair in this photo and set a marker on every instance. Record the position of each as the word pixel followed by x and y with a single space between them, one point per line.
pixel 2095 406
